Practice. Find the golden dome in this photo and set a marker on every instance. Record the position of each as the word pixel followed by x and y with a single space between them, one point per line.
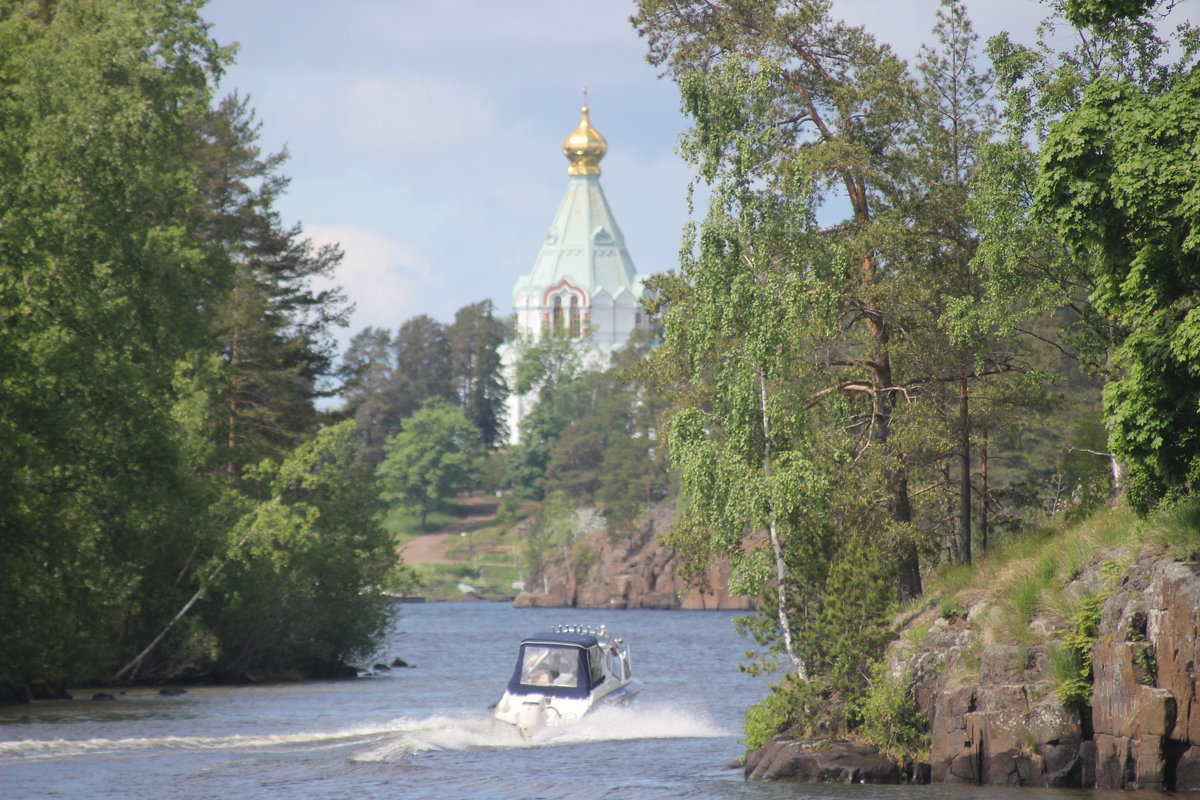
pixel 584 148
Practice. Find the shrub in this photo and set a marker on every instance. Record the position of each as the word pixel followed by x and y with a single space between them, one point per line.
pixel 790 702
pixel 950 607
pixel 1072 663
pixel 889 718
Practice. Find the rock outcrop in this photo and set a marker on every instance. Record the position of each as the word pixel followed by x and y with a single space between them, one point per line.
pixel 1002 723
pixel 994 715
pixel 846 762
pixel 628 571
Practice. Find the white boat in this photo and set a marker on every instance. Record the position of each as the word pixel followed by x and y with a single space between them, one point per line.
pixel 563 674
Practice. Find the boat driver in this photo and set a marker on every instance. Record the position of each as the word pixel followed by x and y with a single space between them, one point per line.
pixel 554 671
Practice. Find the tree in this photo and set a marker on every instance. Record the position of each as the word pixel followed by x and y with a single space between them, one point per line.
pixel 421 358
pixel 1119 179
pixel 475 337
pixel 303 590
pixel 784 94
pixel 1055 254
pixel 435 454
pixel 273 328
pixel 102 291
pixel 366 372
pixel 550 367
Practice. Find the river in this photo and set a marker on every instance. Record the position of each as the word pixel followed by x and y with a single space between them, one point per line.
pixel 423 732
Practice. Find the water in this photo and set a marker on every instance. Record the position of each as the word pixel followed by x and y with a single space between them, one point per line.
pixel 423 733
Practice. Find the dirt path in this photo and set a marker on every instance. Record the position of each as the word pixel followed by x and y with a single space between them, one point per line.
pixel 431 547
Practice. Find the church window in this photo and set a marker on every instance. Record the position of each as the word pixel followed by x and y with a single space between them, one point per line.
pixel 574 315
pixel 558 315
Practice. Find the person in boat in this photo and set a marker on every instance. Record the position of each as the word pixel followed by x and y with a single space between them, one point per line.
pixel 555 670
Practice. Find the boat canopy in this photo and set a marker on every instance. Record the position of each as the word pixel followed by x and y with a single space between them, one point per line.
pixel 558 665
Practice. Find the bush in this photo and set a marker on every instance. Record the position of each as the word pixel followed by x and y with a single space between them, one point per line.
pixel 790 702
pixel 889 718
pixel 1072 663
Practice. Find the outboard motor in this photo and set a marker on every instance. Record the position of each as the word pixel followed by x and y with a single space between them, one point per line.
pixel 532 715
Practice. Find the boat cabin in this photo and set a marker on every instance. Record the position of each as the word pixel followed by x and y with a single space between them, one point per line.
pixel 561 664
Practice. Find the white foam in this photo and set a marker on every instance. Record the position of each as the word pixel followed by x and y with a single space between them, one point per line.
pixel 67 748
pixel 403 737
pixel 464 732
pixel 636 722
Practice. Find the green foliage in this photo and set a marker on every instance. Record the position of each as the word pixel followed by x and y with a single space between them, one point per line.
pixel 102 289
pixel 1174 524
pixel 789 703
pixel 1143 657
pixel 160 448
pixel 554 528
pixel 1117 180
pixel 434 456
pixel 305 594
pixel 475 337
pixel 1087 13
pixel 590 433
pixel 1072 666
pixel 888 717
pixel 272 327
pixel 388 378
pixel 950 607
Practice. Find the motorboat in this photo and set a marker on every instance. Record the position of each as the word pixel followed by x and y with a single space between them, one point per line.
pixel 563 674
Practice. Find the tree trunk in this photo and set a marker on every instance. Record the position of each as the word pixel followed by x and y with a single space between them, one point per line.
pixel 233 406
pixel 964 473
pixel 133 666
pixel 985 498
pixel 909 563
pixel 785 626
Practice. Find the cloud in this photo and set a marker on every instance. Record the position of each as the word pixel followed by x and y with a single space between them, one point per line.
pixel 388 280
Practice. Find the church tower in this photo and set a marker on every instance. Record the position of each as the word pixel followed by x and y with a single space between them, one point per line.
pixel 583 284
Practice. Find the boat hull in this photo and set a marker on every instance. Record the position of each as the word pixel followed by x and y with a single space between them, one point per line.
pixel 532 712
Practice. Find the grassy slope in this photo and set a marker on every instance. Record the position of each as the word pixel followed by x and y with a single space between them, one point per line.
pixel 1027 577
pixel 484 557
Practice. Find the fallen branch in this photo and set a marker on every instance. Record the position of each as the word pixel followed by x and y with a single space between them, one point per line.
pixel 133 666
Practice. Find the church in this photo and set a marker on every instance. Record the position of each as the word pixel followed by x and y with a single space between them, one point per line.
pixel 583 284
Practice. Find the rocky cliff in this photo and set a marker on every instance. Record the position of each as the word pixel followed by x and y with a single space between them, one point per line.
pixel 993 711
pixel 627 571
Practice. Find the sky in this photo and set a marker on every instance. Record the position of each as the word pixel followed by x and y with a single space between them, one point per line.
pixel 425 135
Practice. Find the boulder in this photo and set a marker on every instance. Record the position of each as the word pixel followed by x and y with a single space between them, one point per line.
pixel 821 760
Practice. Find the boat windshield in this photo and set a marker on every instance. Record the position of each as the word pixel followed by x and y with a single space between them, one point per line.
pixel 549 666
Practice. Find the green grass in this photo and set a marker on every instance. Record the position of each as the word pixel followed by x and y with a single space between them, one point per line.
pixel 406 526
pixel 1025 577
pixel 489 542
pixel 440 582
pixel 1176 527
pixel 486 552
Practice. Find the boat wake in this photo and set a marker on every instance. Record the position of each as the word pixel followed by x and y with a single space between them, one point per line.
pixel 469 732
pixel 395 740
pixel 29 749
